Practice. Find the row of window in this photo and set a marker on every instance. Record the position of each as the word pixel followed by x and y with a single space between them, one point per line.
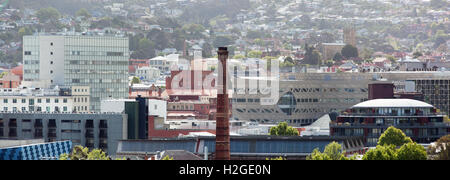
pixel 80 99
pixel 79 62
pixel 38 109
pixel 309 110
pixel 98 81
pixel 306 100
pixel 31 101
pixel 95 53
pixel 290 121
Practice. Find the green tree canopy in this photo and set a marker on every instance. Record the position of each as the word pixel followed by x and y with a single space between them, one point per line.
pixel 48 14
pixel 332 151
pixel 238 56
pixel 349 51
pixel 83 12
pixel 167 158
pixel 25 31
pixel 283 130
pixel 387 148
pixel 417 54
pixel 412 151
pixel 381 153
pixel 222 41
pixel 83 153
pixel 312 56
pixel 254 54
pixel 338 57
pixel 135 80
pixel 393 136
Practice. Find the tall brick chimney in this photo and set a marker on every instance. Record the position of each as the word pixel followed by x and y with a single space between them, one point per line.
pixel 222 117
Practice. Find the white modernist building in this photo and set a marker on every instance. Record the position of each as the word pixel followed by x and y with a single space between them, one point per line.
pixel 35 100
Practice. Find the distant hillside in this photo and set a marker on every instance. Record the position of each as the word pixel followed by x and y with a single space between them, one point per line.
pixel 64 6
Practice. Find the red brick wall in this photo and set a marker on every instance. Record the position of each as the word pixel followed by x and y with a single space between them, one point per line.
pixel 10 84
pixel 381 91
pixel 204 111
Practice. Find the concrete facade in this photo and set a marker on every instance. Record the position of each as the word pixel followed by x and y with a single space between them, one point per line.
pixel 308 96
pixel 90 130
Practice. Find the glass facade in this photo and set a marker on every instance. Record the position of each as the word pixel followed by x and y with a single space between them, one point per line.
pixel 31 58
pixel 98 62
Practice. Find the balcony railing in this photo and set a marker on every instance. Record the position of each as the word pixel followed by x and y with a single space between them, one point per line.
pixel 390 114
pixel 429 124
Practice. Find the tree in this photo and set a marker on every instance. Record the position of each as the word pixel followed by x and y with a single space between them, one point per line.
pixel 146 49
pixel 332 151
pixel 97 154
pixel 207 50
pixel 441 149
pixel 25 31
pixel 349 51
pixel 3 73
pixel 412 151
pixel 338 57
pixel 276 159
pixel 48 14
pixel 391 58
pixel 238 56
pixel 393 136
pixel 381 153
pixel 82 153
pixel 167 158
pixel 135 80
pixel 222 41
pixel 417 54
pixel 387 147
pixel 194 30
pixel 83 12
pixel 283 130
pixel 312 56
pixel 254 54
pixel 366 54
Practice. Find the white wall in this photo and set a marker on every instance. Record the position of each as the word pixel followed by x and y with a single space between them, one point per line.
pixel 157 108
pixel 19 105
pixel 115 106
pixel 45 58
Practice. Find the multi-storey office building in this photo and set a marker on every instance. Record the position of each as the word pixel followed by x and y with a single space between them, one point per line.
pixel 418 120
pixel 436 91
pixel 101 131
pixel 100 62
pixel 305 97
